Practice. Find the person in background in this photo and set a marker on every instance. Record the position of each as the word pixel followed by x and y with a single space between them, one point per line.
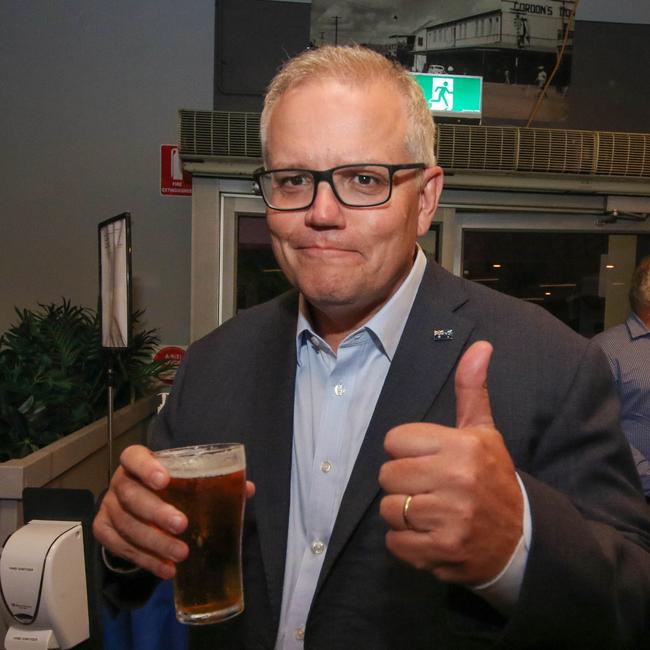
pixel 627 347
pixel 436 465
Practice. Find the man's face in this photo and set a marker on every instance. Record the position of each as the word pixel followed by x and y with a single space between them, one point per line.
pixel 347 261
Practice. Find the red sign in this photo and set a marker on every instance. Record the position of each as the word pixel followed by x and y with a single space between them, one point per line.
pixel 173 180
pixel 174 355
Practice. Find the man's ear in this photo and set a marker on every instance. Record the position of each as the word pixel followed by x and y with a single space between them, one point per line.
pixel 429 197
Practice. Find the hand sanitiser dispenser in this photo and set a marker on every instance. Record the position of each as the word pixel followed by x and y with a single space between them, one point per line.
pixel 43 578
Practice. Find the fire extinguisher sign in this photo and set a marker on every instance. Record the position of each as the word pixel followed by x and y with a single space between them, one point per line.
pixel 173 180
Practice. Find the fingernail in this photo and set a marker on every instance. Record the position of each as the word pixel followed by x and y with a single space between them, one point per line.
pixel 158 479
pixel 167 570
pixel 176 524
pixel 177 553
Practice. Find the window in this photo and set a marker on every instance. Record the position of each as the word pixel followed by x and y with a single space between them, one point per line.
pixel 581 278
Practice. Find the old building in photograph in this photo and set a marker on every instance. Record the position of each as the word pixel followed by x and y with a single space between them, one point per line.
pixel 504 41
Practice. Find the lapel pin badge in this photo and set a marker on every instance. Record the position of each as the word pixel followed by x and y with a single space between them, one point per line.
pixel 443 335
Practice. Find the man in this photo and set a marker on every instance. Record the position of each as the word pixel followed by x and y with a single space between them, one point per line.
pixel 627 347
pixel 436 465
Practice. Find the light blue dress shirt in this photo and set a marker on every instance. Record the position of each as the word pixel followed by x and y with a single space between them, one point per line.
pixel 627 347
pixel 335 396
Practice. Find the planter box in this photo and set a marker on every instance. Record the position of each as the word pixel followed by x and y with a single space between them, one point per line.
pixel 78 460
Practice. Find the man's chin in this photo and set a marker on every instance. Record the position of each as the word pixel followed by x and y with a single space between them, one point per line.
pixel 324 299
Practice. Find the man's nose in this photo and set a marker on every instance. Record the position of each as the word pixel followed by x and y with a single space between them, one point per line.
pixel 325 211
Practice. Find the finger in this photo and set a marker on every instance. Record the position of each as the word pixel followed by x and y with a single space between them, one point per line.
pixel 391 509
pixel 413 475
pixel 427 552
pixel 446 553
pixel 110 539
pixel 250 489
pixel 127 494
pixel 142 533
pixel 142 544
pixel 426 512
pixel 418 517
pixel 163 569
pixel 472 398
pixel 142 464
pixel 415 439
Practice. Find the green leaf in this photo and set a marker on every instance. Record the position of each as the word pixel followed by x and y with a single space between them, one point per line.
pixel 26 405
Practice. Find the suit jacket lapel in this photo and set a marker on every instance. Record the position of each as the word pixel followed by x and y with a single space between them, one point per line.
pixel 419 370
pixel 269 457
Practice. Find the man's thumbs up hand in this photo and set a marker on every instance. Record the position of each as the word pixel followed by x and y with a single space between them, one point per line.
pixel 472 398
pixel 464 518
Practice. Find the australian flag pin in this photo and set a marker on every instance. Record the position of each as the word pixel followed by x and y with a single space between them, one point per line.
pixel 443 335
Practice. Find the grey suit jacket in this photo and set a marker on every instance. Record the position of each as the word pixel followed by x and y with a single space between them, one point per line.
pixel 587 582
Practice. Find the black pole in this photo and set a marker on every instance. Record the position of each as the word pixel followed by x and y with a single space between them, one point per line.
pixel 110 381
pixel 336 30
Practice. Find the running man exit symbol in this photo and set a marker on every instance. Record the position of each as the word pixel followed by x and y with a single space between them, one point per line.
pixel 449 95
pixel 442 95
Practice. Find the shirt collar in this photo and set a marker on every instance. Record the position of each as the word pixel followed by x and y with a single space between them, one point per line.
pixel 387 325
pixel 636 326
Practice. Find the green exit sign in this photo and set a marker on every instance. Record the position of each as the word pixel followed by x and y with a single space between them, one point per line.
pixel 452 95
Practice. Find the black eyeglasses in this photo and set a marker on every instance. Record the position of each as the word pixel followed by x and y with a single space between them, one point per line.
pixel 361 185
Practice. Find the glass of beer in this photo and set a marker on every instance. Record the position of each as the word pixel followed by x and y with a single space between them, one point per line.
pixel 208 485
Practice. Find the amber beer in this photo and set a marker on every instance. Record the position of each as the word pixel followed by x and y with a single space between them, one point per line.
pixel 208 485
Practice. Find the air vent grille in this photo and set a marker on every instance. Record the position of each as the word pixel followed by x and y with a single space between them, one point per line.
pixel 204 134
pixel 510 148
pixel 219 133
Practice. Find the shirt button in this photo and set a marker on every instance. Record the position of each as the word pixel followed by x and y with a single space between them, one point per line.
pixel 299 633
pixel 339 390
pixel 317 547
pixel 325 466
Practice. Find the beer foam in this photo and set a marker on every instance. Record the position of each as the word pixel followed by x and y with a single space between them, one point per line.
pixel 184 464
pixel 202 469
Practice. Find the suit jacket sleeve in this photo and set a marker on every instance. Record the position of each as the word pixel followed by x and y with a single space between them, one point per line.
pixel 587 581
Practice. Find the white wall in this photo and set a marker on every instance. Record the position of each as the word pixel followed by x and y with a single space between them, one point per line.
pixel 89 90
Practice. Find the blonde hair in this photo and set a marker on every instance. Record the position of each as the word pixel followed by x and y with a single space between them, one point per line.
pixel 357 65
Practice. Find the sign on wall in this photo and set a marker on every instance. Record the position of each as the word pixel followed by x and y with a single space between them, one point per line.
pixel 173 180
pixel 174 355
pixel 452 95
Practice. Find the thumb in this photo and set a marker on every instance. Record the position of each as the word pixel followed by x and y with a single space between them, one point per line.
pixel 472 399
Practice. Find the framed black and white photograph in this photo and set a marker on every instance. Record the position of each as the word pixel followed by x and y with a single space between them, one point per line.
pixel 115 280
pixel 521 51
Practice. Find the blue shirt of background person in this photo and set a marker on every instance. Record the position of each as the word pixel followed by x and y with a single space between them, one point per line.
pixel 627 347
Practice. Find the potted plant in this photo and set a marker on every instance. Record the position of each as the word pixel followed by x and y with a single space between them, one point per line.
pixel 53 402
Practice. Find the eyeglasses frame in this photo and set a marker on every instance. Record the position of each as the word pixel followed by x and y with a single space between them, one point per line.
pixel 327 176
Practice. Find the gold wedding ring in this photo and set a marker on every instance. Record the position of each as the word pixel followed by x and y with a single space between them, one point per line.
pixel 405 511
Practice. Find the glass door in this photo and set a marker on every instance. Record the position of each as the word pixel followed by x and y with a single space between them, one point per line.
pixel 580 277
